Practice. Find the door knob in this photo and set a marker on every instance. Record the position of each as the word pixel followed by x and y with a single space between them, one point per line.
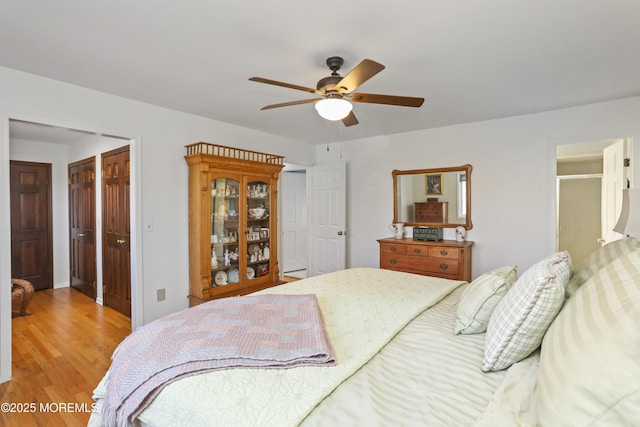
pixel 81 234
pixel 121 241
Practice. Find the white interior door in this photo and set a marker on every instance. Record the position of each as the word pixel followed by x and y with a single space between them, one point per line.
pixel 294 220
pixel 327 219
pixel 614 180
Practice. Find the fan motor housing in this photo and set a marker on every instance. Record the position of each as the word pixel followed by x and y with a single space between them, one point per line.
pixel 328 83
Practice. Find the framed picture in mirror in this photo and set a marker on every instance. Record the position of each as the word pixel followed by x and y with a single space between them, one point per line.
pixel 433 184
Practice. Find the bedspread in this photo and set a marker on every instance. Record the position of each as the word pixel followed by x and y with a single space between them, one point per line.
pixel 254 331
pixel 363 309
pixel 426 377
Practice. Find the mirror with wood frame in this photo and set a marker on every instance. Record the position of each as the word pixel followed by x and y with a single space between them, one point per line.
pixel 439 197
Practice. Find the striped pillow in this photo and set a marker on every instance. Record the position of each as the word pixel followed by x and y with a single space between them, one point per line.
pixel 481 297
pixel 590 357
pixel 521 318
pixel 598 259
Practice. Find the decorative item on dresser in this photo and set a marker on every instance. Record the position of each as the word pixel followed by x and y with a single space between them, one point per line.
pixel 232 221
pixel 445 258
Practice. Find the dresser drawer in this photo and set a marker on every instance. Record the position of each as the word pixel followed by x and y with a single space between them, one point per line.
pixel 417 251
pixel 391 248
pixel 443 267
pixel 420 264
pixel 444 252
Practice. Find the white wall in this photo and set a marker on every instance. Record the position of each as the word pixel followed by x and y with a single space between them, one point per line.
pixel 159 181
pixel 512 182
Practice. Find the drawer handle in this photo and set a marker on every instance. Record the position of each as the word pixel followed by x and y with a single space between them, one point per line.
pixel 393 249
pixel 393 261
pixel 443 252
pixel 417 250
pixel 444 266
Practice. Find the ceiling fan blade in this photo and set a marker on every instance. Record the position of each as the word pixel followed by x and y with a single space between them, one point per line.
pixel 363 72
pixel 282 84
pixel 403 101
pixel 287 104
pixel 350 120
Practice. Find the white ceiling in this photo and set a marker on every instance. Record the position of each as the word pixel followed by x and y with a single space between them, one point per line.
pixel 471 60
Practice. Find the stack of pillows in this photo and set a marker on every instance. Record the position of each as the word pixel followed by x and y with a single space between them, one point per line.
pixel 590 350
pixel 515 313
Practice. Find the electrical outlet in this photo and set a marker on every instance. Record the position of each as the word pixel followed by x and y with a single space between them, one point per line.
pixel 161 294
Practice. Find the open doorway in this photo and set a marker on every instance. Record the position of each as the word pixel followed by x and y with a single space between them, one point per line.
pixel 53 150
pixel 61 147
pixel 588 197
pixel 293 220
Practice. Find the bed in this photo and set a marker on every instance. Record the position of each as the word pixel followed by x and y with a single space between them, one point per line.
pixel 550 346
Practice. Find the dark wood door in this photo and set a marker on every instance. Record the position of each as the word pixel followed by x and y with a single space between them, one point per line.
pixel 82 225
pixel 116 261
pixel 31 237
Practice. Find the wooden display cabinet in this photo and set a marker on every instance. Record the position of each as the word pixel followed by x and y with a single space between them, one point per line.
pixel 233 243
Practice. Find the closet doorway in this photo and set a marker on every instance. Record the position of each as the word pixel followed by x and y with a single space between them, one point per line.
pixel 31 233
pixel 82 226
pixel 116 230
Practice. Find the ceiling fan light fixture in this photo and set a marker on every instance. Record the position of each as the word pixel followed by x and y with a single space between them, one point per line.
pixel 333 108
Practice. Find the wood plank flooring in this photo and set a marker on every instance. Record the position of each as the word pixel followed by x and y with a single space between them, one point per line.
pixel 61 350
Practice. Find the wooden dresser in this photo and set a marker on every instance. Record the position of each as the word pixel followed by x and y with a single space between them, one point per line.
pixel 445 258
pixel 432 212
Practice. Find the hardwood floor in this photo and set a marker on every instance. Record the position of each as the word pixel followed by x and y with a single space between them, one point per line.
pixel 61 350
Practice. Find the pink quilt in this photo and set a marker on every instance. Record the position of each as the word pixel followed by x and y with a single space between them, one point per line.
pixel 254 331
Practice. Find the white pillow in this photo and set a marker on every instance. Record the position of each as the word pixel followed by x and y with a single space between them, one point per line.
pixel 598 259
pixel 521 318
pixel 590 357
pixel 481 297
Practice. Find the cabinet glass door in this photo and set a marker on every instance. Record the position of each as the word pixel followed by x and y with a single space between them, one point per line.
pixel 258 229
pixel 225 241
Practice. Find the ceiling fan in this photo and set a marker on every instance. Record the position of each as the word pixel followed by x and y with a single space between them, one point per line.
pixel 336 91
